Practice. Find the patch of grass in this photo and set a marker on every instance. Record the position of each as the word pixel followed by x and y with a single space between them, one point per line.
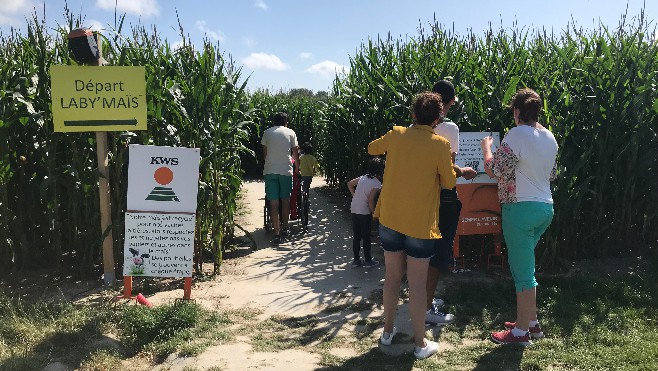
pixel 281 333
pixel 356 306
pixel 102 360
pixel 34 334
pixel 192 330
pixel 141 325
pixel 591 323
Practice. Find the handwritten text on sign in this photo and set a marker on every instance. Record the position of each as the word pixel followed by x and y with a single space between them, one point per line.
pixel 470 155
pixel 158 245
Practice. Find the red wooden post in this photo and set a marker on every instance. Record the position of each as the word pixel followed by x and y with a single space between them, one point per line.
pixel 127 287
pixel 187 288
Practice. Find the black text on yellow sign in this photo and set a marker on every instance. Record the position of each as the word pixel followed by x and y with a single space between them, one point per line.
pixel 110 98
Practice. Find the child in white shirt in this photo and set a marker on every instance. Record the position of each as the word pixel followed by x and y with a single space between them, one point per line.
pixel 364 189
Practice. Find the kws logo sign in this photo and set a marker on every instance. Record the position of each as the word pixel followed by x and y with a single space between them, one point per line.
pixel 163 179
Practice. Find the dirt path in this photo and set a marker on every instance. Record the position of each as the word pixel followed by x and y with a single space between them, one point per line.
pixel 305 276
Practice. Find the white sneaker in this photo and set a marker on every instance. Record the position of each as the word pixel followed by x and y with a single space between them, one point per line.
pixel 387 337
pixel 435 317
pixel 430 348
pixel 438 303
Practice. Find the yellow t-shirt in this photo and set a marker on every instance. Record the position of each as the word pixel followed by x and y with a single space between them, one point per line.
pixel 308 165
pixel 418 165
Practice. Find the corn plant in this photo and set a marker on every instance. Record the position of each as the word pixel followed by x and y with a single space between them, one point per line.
pixel 304 117
pixel 48 191
pixel 600 101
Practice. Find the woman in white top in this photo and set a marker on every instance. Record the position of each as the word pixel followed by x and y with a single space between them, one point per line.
pixel 524 166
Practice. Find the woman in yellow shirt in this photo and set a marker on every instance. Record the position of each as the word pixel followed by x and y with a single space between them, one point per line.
pixel 418 166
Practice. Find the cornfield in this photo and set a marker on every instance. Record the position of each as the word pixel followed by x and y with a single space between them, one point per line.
pixel 598 86
pixel 304 117
pixel 48 181
pixel 600 101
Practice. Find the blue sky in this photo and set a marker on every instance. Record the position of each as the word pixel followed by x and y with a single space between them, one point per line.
pixel 284 44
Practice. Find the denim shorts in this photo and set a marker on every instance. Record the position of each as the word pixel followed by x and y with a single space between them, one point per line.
pixel 393 241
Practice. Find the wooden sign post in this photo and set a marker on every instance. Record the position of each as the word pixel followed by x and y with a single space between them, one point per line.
pixel 91 98
pixel 163 184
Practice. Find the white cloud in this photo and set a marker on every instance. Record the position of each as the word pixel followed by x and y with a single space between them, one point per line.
pixel 263 61
pixel 11 11
pixel 95 25
pixel 327 69
pixel 146 8
pixel 260 4
pixel 305 55
pixel 216 35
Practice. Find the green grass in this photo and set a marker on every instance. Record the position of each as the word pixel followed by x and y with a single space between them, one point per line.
pixel 591 321
pixel 31 334
pixel 82 336
pixel 102 360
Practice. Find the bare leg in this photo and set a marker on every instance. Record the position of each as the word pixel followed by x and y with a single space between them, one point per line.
pixel 395 268
pixel 433 275
pixel 274 215
pixel 417 276
pixel 526 307
pixel 285 212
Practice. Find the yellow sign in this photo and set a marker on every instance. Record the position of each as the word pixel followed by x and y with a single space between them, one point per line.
pixel 110 98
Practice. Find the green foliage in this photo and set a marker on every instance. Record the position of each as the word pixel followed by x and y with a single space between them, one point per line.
pixel 141 325
pixel 48 193
pixel 102 360
pixel 599 96
pixel 30 333
pixel 304 117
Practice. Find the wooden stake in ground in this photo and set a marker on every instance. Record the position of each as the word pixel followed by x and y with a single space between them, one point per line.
pixel 105 200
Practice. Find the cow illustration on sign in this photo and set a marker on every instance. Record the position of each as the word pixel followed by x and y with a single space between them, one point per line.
pixel 138 261
pixel 163 175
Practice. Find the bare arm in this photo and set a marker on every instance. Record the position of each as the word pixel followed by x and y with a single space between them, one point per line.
pixel 466 172
pixel 351 185
pixel 486 143
pixel 371 199
pixel 264 152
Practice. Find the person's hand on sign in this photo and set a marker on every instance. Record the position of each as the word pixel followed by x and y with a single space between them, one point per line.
pixel 468 173
pixel 487 156
pixel 486 143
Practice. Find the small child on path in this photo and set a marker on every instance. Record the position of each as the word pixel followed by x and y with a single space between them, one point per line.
pixel 308 166
pixel 364 189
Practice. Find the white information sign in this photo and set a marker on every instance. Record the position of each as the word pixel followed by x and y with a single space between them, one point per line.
pixel 470 154
pixel 163 179
pixel 158 245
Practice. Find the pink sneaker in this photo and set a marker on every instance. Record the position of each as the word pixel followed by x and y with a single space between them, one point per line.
pixel 535 331
pixel 506 337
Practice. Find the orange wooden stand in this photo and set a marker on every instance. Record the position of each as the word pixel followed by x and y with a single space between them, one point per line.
pixel 494 260
pixel 480 215
pixel 128 287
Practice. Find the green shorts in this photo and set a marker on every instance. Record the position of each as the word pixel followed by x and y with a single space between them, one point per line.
pixel 523 225
pixel 277 186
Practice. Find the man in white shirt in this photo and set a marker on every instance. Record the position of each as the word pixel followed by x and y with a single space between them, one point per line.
pixel 278 141
pixel 449 210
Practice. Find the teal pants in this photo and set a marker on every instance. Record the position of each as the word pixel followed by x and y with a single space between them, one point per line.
pixel 523 225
